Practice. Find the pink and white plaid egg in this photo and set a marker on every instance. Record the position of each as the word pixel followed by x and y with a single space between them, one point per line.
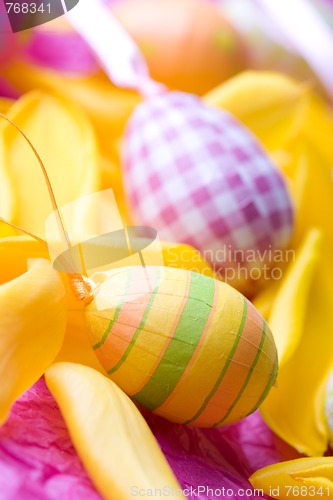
pixel 200 177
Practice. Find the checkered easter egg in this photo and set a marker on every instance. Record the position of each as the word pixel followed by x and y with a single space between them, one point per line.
pixel 200 177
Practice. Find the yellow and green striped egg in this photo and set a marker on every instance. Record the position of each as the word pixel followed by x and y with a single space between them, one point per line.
pixel 185 346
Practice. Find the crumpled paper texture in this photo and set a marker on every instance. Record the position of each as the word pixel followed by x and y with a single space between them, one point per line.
pixel 38 461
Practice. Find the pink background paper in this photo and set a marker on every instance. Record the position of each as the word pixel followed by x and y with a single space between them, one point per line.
pixel 38 461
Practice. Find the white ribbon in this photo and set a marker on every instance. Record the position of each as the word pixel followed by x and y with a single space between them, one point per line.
pixel 114 48
pixel 308 33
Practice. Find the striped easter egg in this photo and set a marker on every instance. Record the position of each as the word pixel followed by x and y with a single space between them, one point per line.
pixel 185 346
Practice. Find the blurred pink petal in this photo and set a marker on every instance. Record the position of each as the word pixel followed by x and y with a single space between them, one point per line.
pixel 61 51
pixel 7 90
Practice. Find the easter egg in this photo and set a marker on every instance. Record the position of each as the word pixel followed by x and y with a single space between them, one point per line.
pixel 198 176
pixel 188 347
pixel 187 44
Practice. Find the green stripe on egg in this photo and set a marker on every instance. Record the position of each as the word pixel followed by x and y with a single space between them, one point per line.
pixel 182 346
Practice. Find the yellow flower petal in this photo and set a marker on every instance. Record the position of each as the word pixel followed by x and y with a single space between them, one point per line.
pixel 107 106
pixel 185 257
pixel 289 309
pixel 318 127
pixel 14 254
pixel 63 137
pixel 32 327
pixel 313 189
pixel 6 230
pixel 295 409
pixel 5 104
pixel 270 104
pixel 77 347
pixel 112 438
pixel 303 478
pixel 111 178
pixel 264 299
